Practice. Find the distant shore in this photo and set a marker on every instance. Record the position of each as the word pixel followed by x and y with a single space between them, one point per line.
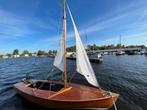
pixel 103 50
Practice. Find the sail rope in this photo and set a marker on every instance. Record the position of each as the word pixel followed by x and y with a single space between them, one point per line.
pixel 72 76
pixel 73 73
pixel 46 78
pixel 114 104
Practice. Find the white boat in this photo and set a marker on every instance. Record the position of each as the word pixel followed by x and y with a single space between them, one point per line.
pixel 93 57
pixel 120 53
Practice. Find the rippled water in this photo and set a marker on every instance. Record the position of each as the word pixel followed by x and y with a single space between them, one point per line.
pixel 126 75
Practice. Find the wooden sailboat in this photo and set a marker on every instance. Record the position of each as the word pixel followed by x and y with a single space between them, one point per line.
pixel 66 95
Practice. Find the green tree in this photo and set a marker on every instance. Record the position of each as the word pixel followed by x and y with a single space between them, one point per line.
pixel 1 56
pixel 9 55
pixel 118 46
pixel 54 52
pixel 50 52
pixel 71 49
pixel 94 47
pixel 142 46
pixel 40 53
pixel 123 46
pixel 25 52
pixel 16 52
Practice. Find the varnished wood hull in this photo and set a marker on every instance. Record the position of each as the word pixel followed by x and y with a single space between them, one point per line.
pixel 72 99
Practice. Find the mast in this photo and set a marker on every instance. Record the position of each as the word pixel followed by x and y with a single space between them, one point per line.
pixel 64 36
pixel 120 40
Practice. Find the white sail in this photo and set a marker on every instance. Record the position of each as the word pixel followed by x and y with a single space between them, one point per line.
pixel 83 65
pixel 59 58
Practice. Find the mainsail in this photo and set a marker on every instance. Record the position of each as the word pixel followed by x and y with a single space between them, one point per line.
pixel 82 61
pixel 59 59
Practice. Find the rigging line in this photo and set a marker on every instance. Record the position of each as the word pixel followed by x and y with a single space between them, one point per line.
pixel 72 76
pixel 73 72
pixel 51 70
pixel 114 104
pixel 50 89
pixel 59 32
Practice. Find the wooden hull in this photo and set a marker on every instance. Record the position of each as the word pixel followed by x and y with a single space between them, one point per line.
pixel 94 60
pixel 79 97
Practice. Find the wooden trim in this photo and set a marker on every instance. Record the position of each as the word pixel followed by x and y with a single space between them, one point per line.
pixel 60 92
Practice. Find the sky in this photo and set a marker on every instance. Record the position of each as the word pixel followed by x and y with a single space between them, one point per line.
pixel 37 24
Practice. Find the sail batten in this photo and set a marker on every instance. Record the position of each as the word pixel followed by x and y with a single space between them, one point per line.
pixel 82 61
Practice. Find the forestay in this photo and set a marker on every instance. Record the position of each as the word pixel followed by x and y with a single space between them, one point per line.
pixel 59 59
pixel 82 61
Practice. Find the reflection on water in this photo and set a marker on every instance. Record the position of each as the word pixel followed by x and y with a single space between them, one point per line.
pixel 126 75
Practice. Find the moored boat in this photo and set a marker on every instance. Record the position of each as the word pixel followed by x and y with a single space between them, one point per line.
pixel 120 53
pixel 132 53
pixel 93 57
pixel 145 51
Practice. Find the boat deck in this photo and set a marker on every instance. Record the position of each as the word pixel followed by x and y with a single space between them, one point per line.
pixel 77 92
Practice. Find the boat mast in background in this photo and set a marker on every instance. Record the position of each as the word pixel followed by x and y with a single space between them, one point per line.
pixel 86 44
pixel 120 41
pixel 64 36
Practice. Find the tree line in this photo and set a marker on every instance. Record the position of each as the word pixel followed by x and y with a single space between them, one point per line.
pixel 71 49
pixel 26 52
pixel 105 47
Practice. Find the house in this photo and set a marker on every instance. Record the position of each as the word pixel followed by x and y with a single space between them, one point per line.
pixel 16 56
pixel 34 54
pixel 5 57
pixel 26 55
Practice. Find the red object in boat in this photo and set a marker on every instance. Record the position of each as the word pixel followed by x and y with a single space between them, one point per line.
pixel 75 96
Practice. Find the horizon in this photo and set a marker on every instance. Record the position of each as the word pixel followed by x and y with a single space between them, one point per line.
pixel 38 25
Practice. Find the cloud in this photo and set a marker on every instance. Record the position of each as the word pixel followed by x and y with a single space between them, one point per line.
pixel 15 27
pixel 11 26
pixel 123 21
pixel 53 41
pixel 129 39
pixel 122 18
pixel 129 20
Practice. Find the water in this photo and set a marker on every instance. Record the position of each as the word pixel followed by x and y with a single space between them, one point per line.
pixel 126 75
